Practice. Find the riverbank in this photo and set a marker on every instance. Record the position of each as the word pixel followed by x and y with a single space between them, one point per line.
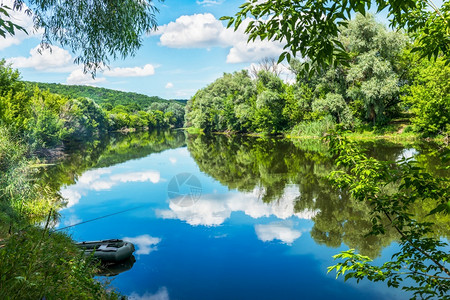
pixel 35 263
pixel 389 135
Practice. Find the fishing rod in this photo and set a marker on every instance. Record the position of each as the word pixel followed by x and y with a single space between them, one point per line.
pixel 98 218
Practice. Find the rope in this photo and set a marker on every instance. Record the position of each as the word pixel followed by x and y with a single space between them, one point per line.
pixel 98 218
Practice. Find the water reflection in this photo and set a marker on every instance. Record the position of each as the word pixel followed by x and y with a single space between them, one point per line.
pixel 284 179
pixel 161 294
pixel 116 268
pixel 282 231
pixel 100 154
pixel 144 243
pixel 262 227
pixel 215 209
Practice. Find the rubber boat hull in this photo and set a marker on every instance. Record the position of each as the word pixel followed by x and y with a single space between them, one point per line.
pixel 108 250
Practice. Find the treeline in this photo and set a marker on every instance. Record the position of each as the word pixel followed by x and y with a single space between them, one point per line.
pixel 45 119
pixel 102 95
pixel 383 81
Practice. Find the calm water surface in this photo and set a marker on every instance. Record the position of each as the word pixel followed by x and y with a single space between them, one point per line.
pixel 255 218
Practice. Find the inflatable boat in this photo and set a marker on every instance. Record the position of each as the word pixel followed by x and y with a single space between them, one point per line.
pixel 108 250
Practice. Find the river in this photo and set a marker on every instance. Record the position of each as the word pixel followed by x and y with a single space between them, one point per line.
pixel 216 217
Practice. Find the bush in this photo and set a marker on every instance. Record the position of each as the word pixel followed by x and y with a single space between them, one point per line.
pixel 316 128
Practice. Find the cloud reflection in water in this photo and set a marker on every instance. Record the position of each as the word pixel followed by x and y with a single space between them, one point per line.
pixel 145 243
pixel 282 231
pixel 214 209
pixel 161 294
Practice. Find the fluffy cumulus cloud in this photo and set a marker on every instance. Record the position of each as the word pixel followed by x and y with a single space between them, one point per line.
pixel 145 244
pixel 253 51
pixel 22 19
pixel 78 77
pixel 54 59
pixel 205 31
pixel 194 31
pixel 146 70
pixel 282 231
pixel 161 294
pixel 169 85
pixel 214 209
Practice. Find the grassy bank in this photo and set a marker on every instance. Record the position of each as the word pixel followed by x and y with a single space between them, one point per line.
pixel 35 264
pixel 307 131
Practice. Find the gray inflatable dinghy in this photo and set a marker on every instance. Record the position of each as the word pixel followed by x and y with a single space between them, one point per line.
pixel 108 250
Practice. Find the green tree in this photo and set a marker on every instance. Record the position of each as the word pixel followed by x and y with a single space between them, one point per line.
pixel 95 30
pixel 334 105
pixel 226 104
pixel 372 75
pixel 311 28
pixel 429 96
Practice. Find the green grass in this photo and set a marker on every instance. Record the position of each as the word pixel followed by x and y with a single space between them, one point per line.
pixel 192 130
pixel 33 263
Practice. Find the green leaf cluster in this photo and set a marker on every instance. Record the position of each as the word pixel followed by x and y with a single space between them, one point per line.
pixel 392 190
pixel 96 31
pixel 311 28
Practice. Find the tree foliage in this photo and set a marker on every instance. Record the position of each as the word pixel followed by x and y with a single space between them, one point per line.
pixel 366 90
pixel 429 96
pixel 46 119
pixel 311 28
pixel 422 258
pixel 6 25
pixel 96 31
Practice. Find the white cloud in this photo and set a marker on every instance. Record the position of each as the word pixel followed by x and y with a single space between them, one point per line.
pixel 169 85
pixel 78 77
pixel 173 160
pixel 22 19
pixel 145 243
pixel 253 51
pixel 205 31
pixel 161 294
pixel 194 31
pixel 146 70
pixel 54 59
pixel 209 2
pixel 214 209
pixel 283 232
pixel 152 176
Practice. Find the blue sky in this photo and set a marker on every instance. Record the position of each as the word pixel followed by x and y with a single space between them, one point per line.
pixel 191 49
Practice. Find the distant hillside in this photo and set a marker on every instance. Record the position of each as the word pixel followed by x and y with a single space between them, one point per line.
pixel 102 95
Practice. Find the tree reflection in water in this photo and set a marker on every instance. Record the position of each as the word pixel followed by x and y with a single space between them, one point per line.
pixel 271 166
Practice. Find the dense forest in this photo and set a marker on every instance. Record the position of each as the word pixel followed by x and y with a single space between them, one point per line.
pixel 102 96
pixel 45 118
pixel 383 83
